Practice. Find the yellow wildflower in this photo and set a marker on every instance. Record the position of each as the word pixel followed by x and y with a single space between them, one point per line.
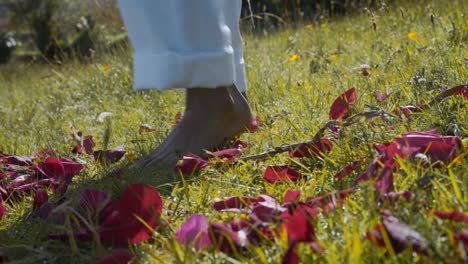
pixel 130 156
pixel 104 67
pixel 333 56
pixel 294 57
pixel 323 25
pixel 412 35
pixel 310 26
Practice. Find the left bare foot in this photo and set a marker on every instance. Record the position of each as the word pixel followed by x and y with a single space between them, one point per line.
pixel 211 117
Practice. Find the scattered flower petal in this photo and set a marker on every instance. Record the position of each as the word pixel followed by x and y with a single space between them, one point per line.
pixel 226 154
pixel 342 104
pixel 109 156
pixel 191 164
pixel 255 124
pixel 291 196
pixel 454 215
pixel 233 202
pixel 195 231
pixel 281 173
pixel 381 96
pixel 401 236
pixel 40 198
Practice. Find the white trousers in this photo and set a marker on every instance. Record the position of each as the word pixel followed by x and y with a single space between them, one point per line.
pixel 185 43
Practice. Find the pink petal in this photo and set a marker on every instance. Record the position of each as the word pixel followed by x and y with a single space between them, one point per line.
pixel 255 124
pixel 281 173
pixel 233 202
pixel 381 96
pixel 266 209
pixel 117 256
pixel 401 236
pixel 229 154
pixel 240 144
pixel 408 109
pixel 195 231
pixel 190 164
pixel 225 239
pixel 313 150
pixel 342 104
pixel 385 184
pixel 19 160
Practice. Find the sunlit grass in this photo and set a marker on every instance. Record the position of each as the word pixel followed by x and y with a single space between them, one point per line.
pixel 294 76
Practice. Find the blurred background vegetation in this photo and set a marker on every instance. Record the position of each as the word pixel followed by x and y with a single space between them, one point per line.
pixel 53 30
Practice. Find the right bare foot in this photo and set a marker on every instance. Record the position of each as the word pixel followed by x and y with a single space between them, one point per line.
pixel 211 117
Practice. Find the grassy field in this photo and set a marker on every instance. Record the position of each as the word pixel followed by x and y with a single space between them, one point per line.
pixel 412 50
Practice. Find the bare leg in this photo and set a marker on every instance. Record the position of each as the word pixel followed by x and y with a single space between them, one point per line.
pixel 211 116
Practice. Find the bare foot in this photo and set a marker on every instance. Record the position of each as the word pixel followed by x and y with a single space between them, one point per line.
pixel 211 116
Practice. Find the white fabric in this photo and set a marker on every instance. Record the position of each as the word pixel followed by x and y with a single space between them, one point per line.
pixel 185 43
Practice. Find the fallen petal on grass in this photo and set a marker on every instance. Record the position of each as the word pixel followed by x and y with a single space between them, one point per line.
pixel 281 173
pixel 342 104
pixel 191 164
pixel 195 231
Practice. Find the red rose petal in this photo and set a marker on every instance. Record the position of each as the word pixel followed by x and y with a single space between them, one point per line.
pixel 291 196
pixel 281 173
pixel 122 225
pixel 190 164
pixel 40 198
pixel 454 215
pixel 342 104
pixel 52 167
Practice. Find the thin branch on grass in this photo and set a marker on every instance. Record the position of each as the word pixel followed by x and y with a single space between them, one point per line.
pixel 366 115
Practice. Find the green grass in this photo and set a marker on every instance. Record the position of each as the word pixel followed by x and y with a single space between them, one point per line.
pixel 39 104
